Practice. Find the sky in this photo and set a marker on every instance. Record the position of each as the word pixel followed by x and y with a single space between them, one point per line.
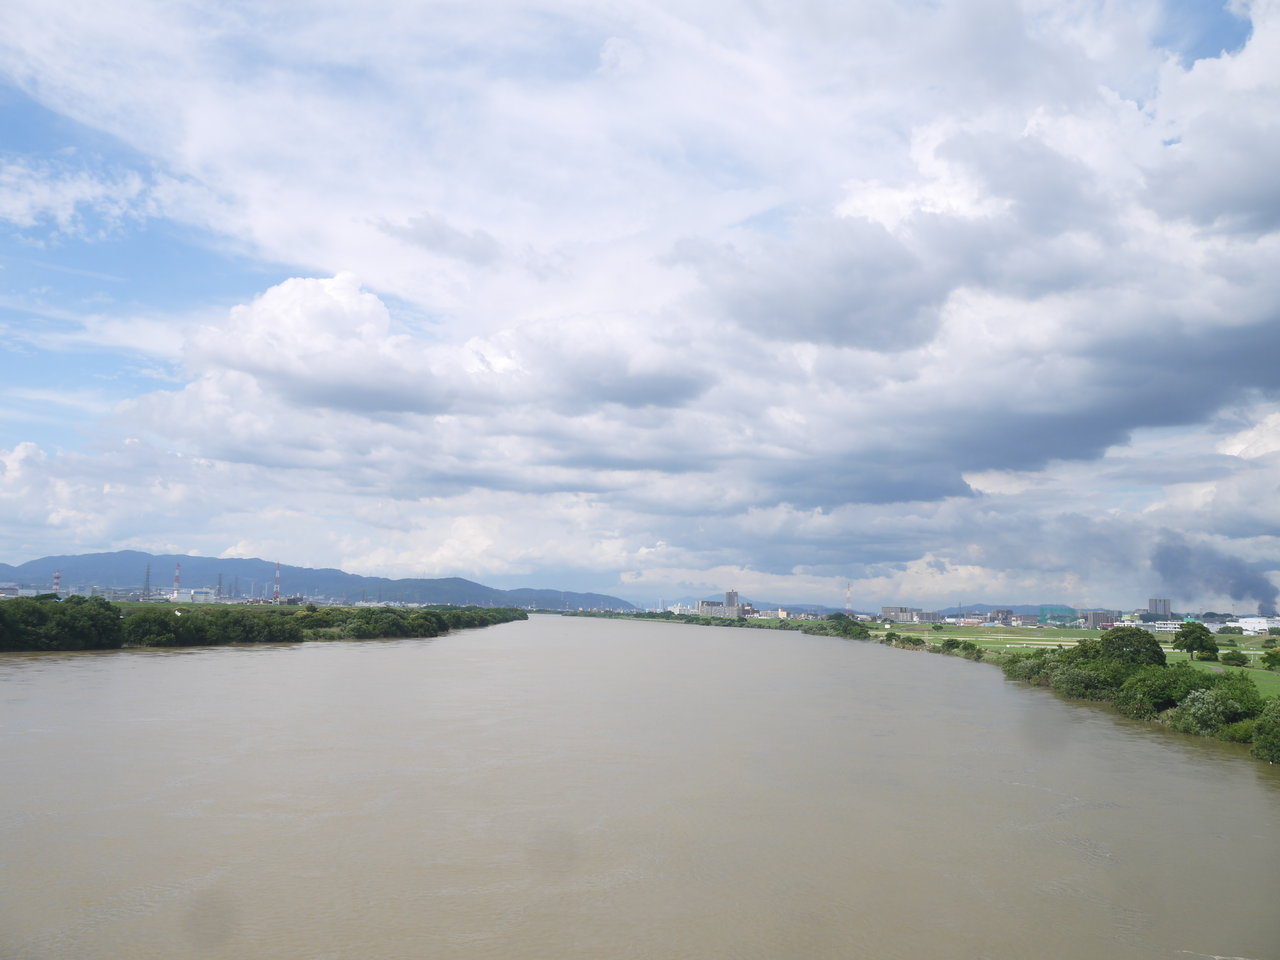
pixel 929 302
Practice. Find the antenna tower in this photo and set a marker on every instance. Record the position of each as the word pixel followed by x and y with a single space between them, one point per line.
pixel 146 584
pixel 848 599
pixel 275 590
pixel 57 582
pixel 177 579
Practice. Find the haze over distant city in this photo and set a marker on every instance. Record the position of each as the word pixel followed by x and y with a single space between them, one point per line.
pixel 949 302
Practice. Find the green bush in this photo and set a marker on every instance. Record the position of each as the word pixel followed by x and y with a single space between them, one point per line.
pixel 1234 658
pixel 150 627
pixel 1266 733
pixel 1081 683
pixel 1242 697
pixel 1091 679
pixel 1152 690
pixel 1271 660
pixel 1202 712
pixel 1023 665
pixel 47 623
pixel 1239 732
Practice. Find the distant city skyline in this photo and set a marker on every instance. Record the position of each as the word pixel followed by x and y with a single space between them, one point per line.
pixel 116 575
pixel 919 302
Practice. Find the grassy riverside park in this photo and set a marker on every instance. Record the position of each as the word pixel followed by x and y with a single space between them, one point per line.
pixel 1002 639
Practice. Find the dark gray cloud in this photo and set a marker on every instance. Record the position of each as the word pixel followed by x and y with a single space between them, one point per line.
pixel 1049 193
pixel 1221 175
pixel 610 381
pixel 1192 570
pixel 846 282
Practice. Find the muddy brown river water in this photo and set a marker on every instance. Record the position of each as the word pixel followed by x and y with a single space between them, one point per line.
pixel 579 789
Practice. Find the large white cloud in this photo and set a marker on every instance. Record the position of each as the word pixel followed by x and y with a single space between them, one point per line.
pixel 793 293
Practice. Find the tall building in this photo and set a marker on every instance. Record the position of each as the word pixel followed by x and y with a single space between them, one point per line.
pixel 1101 619
pixel 731 607
pixel 1158 607
pixel 900 614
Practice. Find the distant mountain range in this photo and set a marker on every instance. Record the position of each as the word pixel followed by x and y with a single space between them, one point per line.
pixel 1024 609
pixel 127 570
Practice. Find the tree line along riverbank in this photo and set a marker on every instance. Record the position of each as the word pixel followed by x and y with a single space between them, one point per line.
pixel 92 623
pixel 1125 666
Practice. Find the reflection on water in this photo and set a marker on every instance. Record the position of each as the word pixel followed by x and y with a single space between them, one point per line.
pixel 571 788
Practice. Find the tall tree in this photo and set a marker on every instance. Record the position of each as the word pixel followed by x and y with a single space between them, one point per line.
pixel 1132 645
pixel 1197 640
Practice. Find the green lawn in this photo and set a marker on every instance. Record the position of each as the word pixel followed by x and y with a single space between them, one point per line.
pixel 995 636
pixel 1003 638
pixel 1268 681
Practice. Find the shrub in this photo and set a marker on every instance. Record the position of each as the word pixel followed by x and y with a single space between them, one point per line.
pixel 1234 658
pixel 1202 712
pixel 150 627
pixel 1023 665
pixel 46 623
pixel 1266 733
pixel 1081 683
pixel 1152 690
pixel 1242 699
pixel 313 619
pixel 1271 660
pixel 1092 679
pixel 1239 732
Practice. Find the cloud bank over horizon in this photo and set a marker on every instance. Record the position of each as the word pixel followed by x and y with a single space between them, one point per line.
pixel 956 301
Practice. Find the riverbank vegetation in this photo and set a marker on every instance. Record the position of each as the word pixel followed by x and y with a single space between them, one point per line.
pixel 92 623
pixel 1187 688
pixel 837 625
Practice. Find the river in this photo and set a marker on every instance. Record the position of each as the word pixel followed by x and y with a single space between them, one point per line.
pixel 580 789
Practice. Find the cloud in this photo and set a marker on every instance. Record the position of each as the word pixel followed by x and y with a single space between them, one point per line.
pixel 431 233
pixel 839 281
pixel 916 295
pixel 322 343
pixel 1198 569
pixel 67 199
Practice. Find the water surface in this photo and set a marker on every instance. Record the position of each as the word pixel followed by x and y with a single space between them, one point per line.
pixel 574 788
